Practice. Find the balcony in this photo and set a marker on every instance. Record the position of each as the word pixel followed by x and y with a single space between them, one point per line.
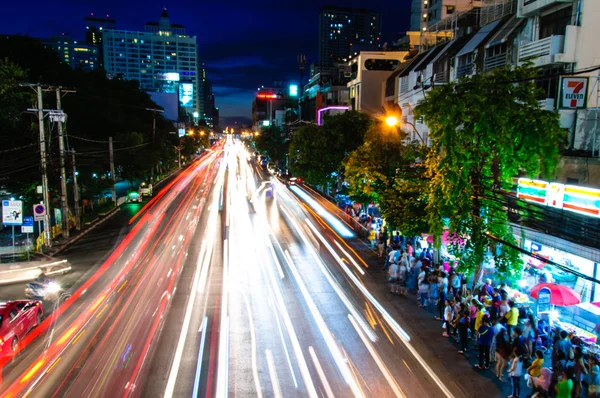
pixel 494 61
pixel 555 49
pixel 528 8
pixel 465 70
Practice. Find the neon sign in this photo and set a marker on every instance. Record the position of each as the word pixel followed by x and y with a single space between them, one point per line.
pixel 573 198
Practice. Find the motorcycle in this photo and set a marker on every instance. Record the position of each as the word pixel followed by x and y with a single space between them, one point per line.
pixel 49 291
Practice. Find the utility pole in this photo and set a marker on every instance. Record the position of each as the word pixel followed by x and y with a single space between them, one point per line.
pixel 112 170
pixel 75 192
pixel 46 196
pixel 153 110
pixel 179 155
pixel 63 175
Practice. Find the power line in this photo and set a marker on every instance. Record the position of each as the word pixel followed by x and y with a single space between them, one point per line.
pixel 18 148
pixel 106 151
pixel 89 140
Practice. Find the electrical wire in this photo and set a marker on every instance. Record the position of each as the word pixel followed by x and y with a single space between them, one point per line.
pixel 90 140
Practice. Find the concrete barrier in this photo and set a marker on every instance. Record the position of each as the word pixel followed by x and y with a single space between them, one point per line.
pixel 28 271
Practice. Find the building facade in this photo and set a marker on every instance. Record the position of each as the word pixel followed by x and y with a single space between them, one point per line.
pixel 162 58
pixel 74 53
pixel 343 31
pixel 94 29
pixel 369 71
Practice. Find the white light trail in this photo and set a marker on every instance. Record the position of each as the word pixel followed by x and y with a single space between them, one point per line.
pixel 321 373
pixel 273 373
pixel 377 359
pixel 203 328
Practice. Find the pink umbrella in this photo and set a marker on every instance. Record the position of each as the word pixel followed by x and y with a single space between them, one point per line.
pixel 597 304
pixel 561 295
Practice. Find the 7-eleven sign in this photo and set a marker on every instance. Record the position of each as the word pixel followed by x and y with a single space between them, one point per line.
pixel 573 92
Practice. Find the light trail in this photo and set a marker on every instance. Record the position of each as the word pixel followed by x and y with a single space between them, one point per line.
pixel 320 372
pixel 331 220
pixel 203 328
pixel 377 359
pixel 273 374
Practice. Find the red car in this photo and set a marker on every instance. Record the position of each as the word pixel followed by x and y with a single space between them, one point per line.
pixel 17 318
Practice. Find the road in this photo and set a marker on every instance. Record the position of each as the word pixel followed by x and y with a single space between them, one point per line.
pixel 98 341
pixel 280 309
pixel 229 283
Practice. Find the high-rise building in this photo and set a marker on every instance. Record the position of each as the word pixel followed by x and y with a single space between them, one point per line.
pixel 426 13
pixel 162 59
pixel 94 27
pixel 344 31
pixel 74 53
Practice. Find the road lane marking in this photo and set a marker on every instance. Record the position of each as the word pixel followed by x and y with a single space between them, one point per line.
pixel 321 373
pixel 259 393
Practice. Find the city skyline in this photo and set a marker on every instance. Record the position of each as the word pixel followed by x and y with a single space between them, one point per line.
pixel 237 62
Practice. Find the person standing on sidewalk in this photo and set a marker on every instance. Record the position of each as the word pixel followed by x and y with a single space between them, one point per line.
pixel 593 377
pixel 486 334
pixel 423 288
pixel 512 317
pixel 502 352
pixel 448 318
pixel 516 372
pixel 463 331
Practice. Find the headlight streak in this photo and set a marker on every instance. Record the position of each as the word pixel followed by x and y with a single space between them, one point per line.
pixel 203 328
pixel 339 227
pixel 202 265
pixel 377 359
pixel 332 282
pixel 91 311
pixel 223 365
pixel 327 336
pixel 259 393
pixel 274 292
pixel 273 374
pixel 362 272
pixel 391 321
pixel 320 372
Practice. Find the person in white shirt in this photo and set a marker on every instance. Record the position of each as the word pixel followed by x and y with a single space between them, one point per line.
pixel 393 278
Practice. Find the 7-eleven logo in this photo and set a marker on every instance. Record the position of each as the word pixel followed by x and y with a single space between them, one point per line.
pixel 574 92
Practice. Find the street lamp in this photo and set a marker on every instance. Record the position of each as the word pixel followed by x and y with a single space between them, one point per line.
pixel 392 121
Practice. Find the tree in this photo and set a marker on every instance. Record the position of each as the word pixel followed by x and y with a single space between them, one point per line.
pixel 272 142
pixel 485 131
pixel 384 170
pixel 312 155
pixel 317 153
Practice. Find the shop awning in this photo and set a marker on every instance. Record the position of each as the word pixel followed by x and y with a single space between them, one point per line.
pixel 506 31
pixel 478 38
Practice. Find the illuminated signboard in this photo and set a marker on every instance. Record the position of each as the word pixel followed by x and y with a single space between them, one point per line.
pixel 171 77
pixel 181 132
pixel 186 94
pixel 293 90
pixel 580 200
pixel 532 190
pixel 268 96
pixel 573 92
pixel 266 123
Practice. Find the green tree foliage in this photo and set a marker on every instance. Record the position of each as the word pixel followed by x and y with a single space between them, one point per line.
pixel 317 153
pixel 99 109
pixel 485 131
pixel 272 141
pixel 385 170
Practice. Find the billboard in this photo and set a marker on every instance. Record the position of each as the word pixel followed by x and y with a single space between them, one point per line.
pixel 186 95
pixel 573 198
pixel 12 212
pixel 573 92
pixel 170 77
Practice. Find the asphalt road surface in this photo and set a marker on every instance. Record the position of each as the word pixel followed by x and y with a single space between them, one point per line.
pixel 229 283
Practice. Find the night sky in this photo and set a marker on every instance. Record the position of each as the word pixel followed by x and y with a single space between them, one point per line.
pixel 245 44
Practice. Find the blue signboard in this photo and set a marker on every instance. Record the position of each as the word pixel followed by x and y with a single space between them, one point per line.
pixel 27 227
pixel 186 94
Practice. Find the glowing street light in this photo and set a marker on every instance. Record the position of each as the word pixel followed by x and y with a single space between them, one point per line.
pixel 391 121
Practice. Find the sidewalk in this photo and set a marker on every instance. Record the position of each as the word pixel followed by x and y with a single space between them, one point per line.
pixel 441 353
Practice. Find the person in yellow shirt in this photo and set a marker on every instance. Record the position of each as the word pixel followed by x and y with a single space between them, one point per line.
pixel 480 314
pixel 512 318
pixel 535 370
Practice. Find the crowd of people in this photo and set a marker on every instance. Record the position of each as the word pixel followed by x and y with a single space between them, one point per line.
pixel 507 339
